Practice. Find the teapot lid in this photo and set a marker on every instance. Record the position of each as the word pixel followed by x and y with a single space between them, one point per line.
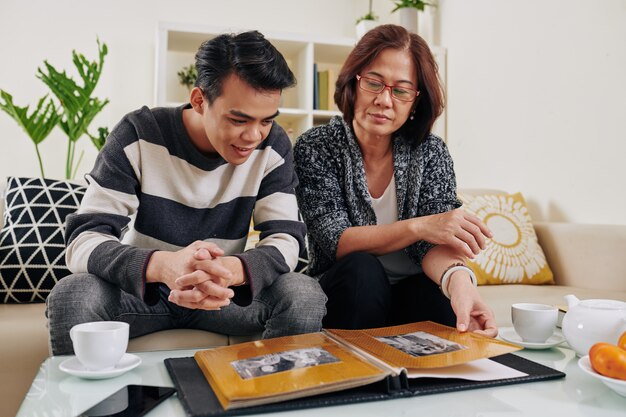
pixel 601 304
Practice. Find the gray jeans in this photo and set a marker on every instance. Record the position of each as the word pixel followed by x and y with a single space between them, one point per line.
pixel 293 304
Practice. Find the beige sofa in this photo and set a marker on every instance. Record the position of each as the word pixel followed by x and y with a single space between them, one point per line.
pixel 587 260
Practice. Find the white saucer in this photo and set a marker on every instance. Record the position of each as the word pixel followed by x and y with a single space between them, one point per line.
pixel 508 334
pixel 616 385
pixel 73 366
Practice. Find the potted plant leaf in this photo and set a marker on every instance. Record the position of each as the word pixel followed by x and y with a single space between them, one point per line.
pixel 38 124
pixel 74 112
pixel 408 12
pixel 79 107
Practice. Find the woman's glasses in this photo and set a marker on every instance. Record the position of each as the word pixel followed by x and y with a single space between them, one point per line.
pixel 373 85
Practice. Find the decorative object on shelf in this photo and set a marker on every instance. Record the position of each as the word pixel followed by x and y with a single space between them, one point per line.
pixel 74 113
pixel 187 76
pixel 408 12
pixel 366 22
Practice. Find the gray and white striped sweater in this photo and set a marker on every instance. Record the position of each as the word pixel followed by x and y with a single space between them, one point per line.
pixel 151 189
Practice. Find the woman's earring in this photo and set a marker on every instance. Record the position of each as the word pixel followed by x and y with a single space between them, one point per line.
pixel 412 115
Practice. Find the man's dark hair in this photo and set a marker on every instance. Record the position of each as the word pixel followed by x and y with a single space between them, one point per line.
pixel 249 56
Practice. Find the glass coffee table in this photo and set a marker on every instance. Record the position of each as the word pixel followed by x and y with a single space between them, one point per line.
pixel 54 393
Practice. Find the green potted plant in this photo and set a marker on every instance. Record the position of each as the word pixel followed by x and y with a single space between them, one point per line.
pixel 366 22
pixel 38 124
pixel 407 4
pixel 187 76
pixel 74 112
pixel 408 12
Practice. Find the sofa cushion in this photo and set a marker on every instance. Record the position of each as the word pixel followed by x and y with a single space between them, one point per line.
pixel 32 247
pixel 513 255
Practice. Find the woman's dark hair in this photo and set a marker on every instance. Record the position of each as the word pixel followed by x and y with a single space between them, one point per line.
pixel 430 102
pixel 249 56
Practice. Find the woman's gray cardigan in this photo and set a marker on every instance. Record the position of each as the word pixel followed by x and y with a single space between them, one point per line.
pixel 333 195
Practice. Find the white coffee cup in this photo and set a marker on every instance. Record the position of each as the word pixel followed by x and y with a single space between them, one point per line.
pixel 534 323
pixel 100 345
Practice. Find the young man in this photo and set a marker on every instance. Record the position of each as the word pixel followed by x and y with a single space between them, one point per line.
pixel 190 179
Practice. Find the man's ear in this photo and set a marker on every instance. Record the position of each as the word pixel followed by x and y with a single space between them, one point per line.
pixel 197 99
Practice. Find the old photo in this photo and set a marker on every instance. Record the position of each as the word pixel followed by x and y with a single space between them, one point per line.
pixel 421 344
pixel 282 361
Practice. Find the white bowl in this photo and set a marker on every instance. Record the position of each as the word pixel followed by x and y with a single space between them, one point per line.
pixel 617 385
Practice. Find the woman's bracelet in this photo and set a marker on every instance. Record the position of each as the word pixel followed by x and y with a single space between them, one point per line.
pixel 443 285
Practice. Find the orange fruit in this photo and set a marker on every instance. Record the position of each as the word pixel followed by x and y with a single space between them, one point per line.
pixel 608 360
pixel 622 341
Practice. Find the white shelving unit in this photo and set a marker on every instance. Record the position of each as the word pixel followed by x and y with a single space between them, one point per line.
pixel 177 43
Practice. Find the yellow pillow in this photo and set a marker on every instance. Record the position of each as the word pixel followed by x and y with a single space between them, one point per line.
pixel 513 255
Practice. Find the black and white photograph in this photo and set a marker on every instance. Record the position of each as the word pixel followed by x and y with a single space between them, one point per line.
pixel 282 361
pixel 420 344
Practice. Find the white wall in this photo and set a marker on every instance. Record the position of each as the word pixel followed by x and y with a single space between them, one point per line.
pixel 537 102
pixel 536 89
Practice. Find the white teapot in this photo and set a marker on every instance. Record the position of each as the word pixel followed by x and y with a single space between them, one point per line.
pixel 590 321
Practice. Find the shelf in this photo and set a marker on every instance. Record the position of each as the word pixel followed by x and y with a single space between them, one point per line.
pixel 325 113
pixel 177 44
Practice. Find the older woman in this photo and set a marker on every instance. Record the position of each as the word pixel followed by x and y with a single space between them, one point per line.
pixel 378 194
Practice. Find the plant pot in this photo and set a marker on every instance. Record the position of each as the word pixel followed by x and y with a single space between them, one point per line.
pixel 408 19
pixel 364 26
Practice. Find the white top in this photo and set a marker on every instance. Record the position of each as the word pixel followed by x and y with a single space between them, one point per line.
pixel 397 264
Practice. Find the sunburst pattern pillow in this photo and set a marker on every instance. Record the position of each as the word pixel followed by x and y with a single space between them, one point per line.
pixel 513 255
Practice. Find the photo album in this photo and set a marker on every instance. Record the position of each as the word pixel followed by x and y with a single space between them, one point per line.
pixel 309 370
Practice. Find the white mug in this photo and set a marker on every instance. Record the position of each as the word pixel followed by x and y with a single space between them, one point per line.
pixel 100 345
pixel 534 323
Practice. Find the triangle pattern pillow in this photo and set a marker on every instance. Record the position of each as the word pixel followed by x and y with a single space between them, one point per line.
pixel 513 255
pixel 32 245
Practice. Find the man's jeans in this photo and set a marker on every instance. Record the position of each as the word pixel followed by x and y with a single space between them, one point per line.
pixel 293 304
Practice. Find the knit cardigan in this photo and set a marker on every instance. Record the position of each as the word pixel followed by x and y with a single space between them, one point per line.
pixel 333 194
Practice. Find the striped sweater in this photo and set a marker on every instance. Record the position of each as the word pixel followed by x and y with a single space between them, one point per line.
pixel 151 189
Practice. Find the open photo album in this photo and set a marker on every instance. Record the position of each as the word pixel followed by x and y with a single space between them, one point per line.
pixel 285 368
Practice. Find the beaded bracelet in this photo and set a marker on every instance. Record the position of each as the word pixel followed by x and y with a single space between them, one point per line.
pixel 443 286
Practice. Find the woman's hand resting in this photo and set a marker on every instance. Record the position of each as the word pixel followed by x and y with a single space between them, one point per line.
pixel 463 232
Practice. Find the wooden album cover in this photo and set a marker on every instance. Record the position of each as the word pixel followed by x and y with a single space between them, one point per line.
pixel 283 368
pixel 424 345
pixel 272 370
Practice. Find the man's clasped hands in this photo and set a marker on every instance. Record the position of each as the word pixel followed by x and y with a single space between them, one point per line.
pixel 199 275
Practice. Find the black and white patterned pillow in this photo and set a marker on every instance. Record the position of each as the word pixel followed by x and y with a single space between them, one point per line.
pixel 32 247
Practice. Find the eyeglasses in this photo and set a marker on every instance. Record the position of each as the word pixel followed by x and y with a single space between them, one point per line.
pixel 373 85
